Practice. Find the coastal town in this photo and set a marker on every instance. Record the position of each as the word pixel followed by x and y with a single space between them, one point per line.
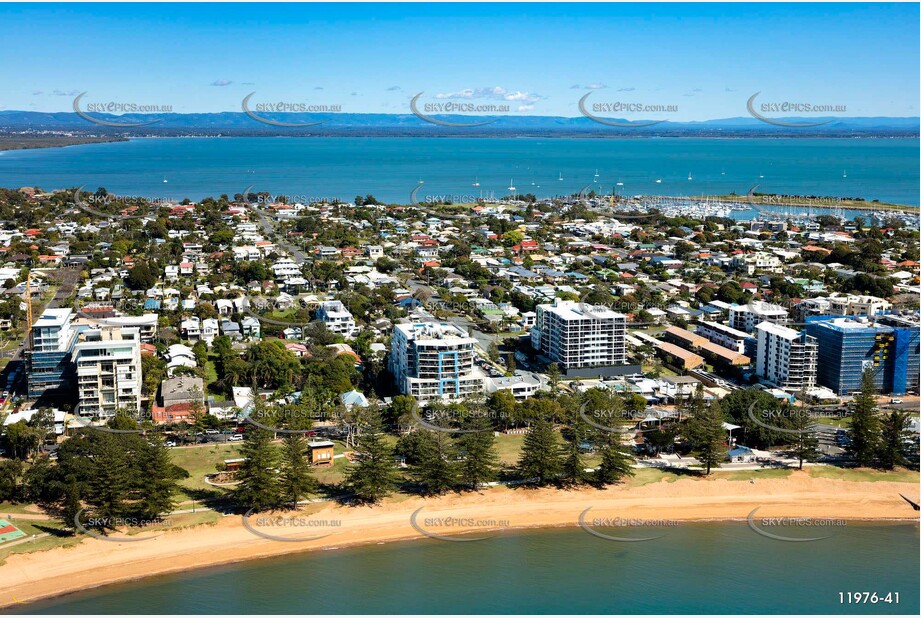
pixel 255 352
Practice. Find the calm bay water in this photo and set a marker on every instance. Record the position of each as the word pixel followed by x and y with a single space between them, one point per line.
pixel 390 168
pixel 699 568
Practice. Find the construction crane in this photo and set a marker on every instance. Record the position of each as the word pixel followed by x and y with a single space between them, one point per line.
pixel 29 303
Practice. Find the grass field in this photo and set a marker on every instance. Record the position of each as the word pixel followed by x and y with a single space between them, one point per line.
pixel 53 528
pixel 202 460
pixel 864 474
pixel 746 475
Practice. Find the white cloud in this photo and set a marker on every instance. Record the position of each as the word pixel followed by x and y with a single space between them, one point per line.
pixel 496 93
pixel 221 82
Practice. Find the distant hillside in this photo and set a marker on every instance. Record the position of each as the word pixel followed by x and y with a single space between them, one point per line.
pixel 238 123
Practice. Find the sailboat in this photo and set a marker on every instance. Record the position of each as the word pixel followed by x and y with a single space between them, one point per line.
pixel 476 182
pixel 421 182
pixel 596 174
pixel 511 185
pixel 844 175
pixel 658 181
pixel 689 176
pixel 164 179
pixel 620 184
pixel 561 176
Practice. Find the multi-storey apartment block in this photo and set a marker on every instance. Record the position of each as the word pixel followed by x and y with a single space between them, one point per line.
pixel 433 361
pixel 108 364
pixel 576 335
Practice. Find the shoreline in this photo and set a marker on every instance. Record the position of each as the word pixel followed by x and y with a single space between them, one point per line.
pixel 29 577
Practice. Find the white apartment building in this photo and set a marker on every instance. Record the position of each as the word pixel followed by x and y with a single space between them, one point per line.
pixel 575 335
pixel 433 361
pixel 520 386
pixel 108 364
pixel 747 317
pixel 337 318
pixel 846 305
pixel 750 263
pixel 723 335
pixel 786 358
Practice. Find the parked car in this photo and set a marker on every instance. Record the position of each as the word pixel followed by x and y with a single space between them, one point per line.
pixel 893 400
pixel 237 437
pixel 170 443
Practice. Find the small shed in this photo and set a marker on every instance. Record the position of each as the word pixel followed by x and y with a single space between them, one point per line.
pixel 321 452
pixel 232 465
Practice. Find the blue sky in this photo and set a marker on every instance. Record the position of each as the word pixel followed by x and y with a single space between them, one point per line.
pixel 706 59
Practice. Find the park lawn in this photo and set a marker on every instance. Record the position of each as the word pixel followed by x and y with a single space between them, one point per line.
pixel 645 476
pixel 201 460
pixel 334 474
pixel 747 475
pixel 37 527
pixel 842 422
pixel 19 507
pixel 899 475
pixel 509 448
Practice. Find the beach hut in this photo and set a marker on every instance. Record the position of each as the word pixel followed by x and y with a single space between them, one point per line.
pixel 321 452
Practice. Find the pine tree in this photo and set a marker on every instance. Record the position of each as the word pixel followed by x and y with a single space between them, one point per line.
pixel 258 488
pixel 375 475
pixel 541 457
pixel 573 467
pixel 110 483
pixel 805 445
pixel 616 460
pixel 296 480
pixel 705 429
pixel 893 439
pixel 481 461
pixel 71 506
pixel 865 425
pixel 553 375
pixel 437 468
pixel 158 478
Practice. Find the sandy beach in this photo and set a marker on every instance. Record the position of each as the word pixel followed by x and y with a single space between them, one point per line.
pixel 96 562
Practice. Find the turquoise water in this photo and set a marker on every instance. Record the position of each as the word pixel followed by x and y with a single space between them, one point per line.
pixel 390 168
pixel 702 568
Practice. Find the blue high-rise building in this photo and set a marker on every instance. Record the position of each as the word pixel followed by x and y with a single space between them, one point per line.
pixel 49 365
pixel 847 347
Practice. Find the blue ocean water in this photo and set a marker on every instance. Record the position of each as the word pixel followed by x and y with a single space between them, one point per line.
pixel 391 168
pixel 713 568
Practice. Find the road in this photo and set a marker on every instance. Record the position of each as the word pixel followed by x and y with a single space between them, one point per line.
pixel 268 226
